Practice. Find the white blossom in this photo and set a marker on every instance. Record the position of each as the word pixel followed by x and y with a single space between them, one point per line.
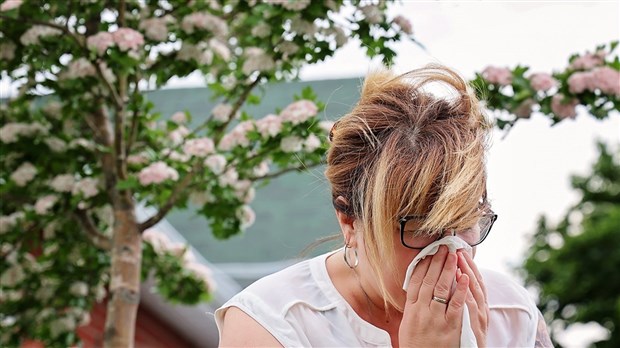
pixel 220 49
pixel 291 143
pixel 36 32
pixel 221 112
pixel 44 204
pixel 79 289
pixel 55 144
pixel 303 27
pixel 9 221
pixel 200 147
pixel 62 183
pixel 62 325
pixel 24 174
pixel 204 21
pixel 155 28
pixel 269 126
pixel 88 187
pixel 256 59
pixel 201 198
pixel 157 240
pixel 262 169
pixel 10 132
pixel 81 142
pixel 12 276
pixel 216 163
pixel 312 143
pixel 229 178
pixel 261 30
pixel 247 216
pixel 199 53
pixel 53 109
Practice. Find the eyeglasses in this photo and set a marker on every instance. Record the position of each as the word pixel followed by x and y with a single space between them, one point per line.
pixel 414 238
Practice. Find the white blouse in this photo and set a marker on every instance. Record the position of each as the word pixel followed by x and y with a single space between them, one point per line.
pixel 301 307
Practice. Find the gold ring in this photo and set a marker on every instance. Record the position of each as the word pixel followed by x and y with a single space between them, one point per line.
pixel 440 300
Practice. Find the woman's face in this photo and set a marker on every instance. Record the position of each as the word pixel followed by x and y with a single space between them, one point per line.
pixel 403 257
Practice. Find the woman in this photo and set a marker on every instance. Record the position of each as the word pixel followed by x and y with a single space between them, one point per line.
pixel 406 169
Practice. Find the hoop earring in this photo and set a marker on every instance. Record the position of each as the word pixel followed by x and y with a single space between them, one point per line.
pixel 346 258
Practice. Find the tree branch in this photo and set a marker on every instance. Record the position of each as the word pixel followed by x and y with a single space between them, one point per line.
pixel 96 237
pixel 284 171
pixel 176 192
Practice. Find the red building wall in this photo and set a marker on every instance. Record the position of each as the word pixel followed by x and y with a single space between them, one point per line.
pixel 150 331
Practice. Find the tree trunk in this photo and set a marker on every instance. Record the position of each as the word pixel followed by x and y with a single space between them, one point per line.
pixel 124 292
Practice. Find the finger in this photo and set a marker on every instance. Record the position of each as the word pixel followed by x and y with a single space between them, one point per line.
pixel 474 268
pixel 432 275
pixel 417 277
pixel 454 313
pixel 474 284
pixel 444 284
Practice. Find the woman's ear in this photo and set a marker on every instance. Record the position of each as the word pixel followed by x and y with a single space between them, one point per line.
pixel 346 222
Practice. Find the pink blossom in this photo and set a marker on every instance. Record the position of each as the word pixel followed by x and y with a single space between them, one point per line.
pixel 269 125
pixel 24 174
pixel 201 198
pixel 247 216
pixel 261 170
pixel 221 112
pixel 44 204
pixel 79 68
pixel 542 82
pixel 178 135
pixel 587 61
pixel 159 241
pixel 580 82
pixel 204 21
pixel 312 143
pixel 562 109
pixel 8 222
pixel 128 39
pixel 524 110
pixel 202 272
pixel 199 53
pixel 220 49
pixel 55 144
pixel 237 136
pixel 176 156
pixel 244 191
pixel 216 163
pixel 156 173
pixel 179 117
pixel 607 80
pixel 10 5
pixel 100 42
pixel 404 24
pixel 62 183
pixel 299 111
pixel 497 75
pixel 200 147
pixel 261 30
pixel 87 187
pixel 155 29
pixel 229 178
pixel 291 143
pixel 256 59
pixel 137 159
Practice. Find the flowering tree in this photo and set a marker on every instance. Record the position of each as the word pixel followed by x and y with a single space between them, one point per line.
pixel 75 167
pixel 590 80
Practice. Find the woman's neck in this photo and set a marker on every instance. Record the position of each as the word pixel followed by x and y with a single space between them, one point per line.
pixel 362 297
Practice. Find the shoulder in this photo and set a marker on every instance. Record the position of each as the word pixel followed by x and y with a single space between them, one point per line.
pixel 254 334
pixel 274 302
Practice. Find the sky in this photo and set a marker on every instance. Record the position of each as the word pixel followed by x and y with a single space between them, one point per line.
pixel 529 168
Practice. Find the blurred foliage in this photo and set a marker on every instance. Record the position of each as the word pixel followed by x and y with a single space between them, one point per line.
pixel 574 264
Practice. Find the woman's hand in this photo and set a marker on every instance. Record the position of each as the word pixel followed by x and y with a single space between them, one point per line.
pixel 427 322
pixel 476 297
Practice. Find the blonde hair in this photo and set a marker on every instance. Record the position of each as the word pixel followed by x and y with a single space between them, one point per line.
pixel 404 151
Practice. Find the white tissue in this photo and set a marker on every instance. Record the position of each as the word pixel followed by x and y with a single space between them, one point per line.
pixel 468 339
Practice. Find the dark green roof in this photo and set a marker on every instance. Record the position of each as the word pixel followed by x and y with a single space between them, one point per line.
pixel 293 210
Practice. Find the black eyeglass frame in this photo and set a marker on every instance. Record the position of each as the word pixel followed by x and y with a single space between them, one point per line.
pixel 403 220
